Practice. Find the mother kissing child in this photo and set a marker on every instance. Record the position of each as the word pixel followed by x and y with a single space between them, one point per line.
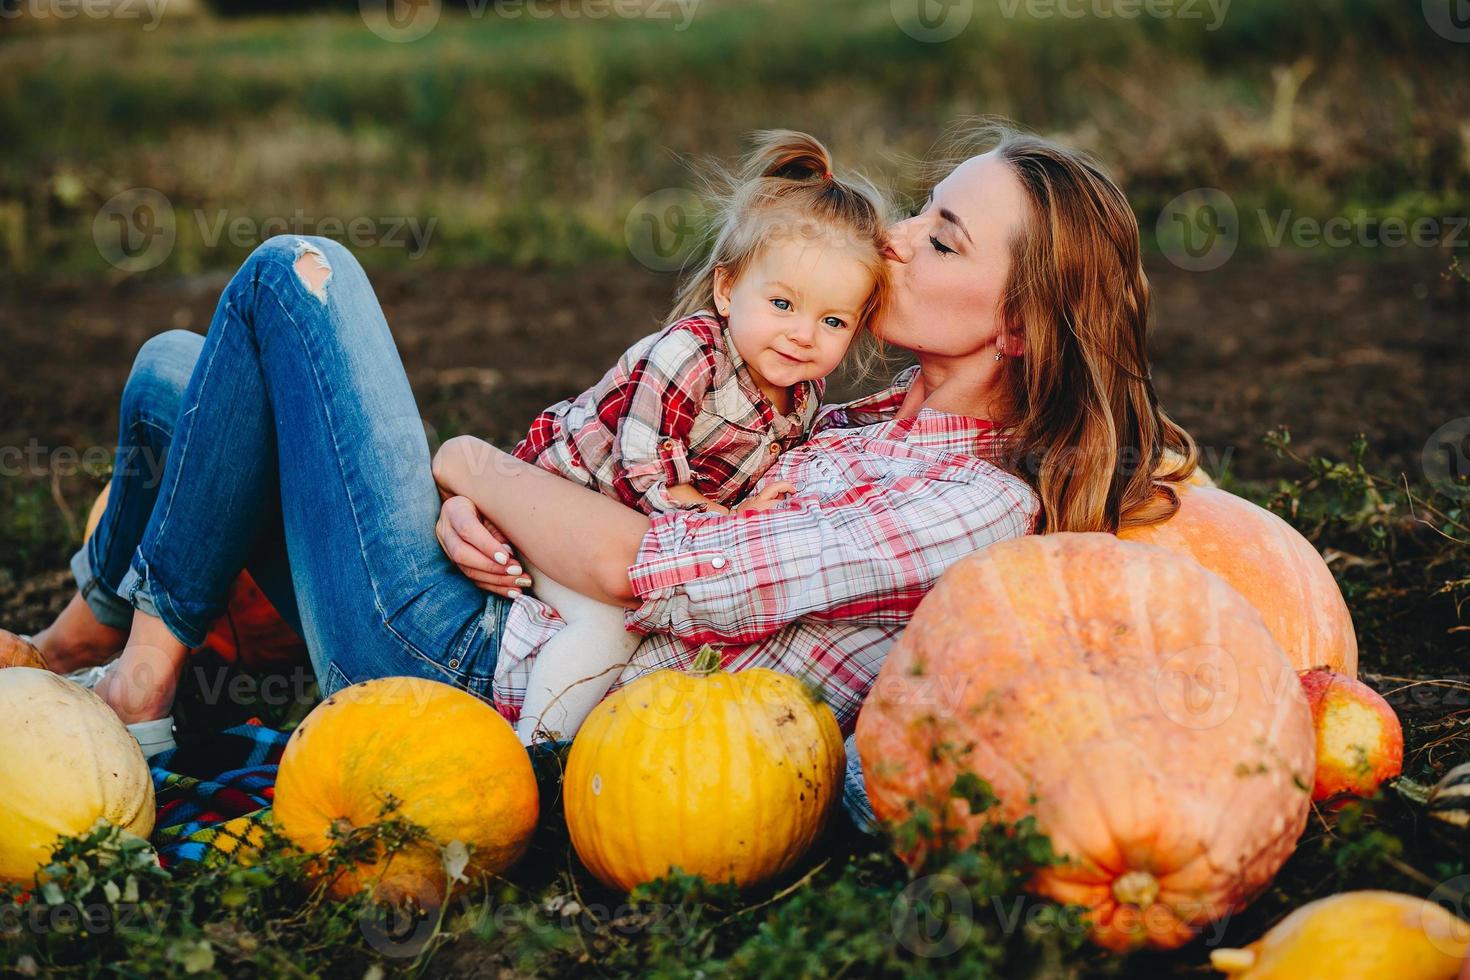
pixel 294 449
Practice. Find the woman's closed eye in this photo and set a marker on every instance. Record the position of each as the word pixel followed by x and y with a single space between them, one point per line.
pixel 940 247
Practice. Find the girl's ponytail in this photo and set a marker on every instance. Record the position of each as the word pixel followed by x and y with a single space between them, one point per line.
pixel 788 155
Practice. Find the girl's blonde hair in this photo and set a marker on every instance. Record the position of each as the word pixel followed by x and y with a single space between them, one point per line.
pixel 1089 435
pixel 786 188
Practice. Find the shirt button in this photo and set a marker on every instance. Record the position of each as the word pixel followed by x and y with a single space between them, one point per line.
pixel 775 449
pixel 668 445
pixel 718 561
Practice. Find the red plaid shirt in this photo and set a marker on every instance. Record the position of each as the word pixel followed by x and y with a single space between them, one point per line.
pixel 680 406
pixel 820 586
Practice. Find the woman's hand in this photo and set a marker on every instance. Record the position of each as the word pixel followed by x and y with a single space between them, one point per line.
pixel 770 495
pixel 479 548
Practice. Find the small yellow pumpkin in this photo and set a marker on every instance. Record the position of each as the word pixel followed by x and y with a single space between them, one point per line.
pixel 451 761
pixel 1362 935
pixel 730 776
pixel 68 763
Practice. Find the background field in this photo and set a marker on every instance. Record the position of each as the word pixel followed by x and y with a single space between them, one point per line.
pixel 529 147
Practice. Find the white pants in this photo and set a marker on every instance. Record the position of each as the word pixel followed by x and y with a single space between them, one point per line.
pixel 572 673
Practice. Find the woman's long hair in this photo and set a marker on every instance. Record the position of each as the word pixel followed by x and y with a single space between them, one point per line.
pixel 1088 433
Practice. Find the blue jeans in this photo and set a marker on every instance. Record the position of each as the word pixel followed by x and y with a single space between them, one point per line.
pixel 287 442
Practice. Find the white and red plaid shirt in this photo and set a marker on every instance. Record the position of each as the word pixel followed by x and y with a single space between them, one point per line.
pixel 820 586
pixel 679 407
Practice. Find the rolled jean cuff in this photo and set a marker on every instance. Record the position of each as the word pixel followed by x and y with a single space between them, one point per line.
pixel 109 609
pixel 188 623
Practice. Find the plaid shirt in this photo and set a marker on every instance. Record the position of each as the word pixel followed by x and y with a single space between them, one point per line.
pixel 680 406
pixel 820 586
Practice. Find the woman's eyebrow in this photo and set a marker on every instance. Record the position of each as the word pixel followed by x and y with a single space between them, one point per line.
pixel 954 219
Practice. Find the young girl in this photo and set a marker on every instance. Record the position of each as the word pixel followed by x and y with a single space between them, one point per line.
pixel 692 416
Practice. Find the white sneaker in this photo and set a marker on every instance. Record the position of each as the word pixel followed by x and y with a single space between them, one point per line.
pixel 90 677
pixel 154 736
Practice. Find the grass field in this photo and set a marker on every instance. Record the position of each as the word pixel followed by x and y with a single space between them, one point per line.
pixel 494 168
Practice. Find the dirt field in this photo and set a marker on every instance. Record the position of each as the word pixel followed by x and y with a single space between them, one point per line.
pixel 1327 348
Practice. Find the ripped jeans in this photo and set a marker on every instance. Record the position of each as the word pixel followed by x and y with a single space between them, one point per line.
pixel 287 442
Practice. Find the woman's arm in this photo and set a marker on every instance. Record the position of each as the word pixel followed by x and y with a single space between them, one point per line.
pixel 577 536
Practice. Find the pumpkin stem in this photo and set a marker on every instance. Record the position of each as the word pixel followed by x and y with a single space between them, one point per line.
pixel 1137 888
pixel 706 661
pixel 1232 960
pixel 1412 791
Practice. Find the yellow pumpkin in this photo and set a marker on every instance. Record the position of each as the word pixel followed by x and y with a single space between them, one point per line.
pixel 730 776
pixel 451 761
pixel 1363 935
pixel 1135 697
pixel 1272 565
pixel 68 763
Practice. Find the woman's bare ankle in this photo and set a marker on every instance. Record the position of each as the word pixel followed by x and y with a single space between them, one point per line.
pixel 142 684
pixel 76 639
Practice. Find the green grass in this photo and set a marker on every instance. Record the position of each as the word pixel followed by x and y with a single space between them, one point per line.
pixel 528 140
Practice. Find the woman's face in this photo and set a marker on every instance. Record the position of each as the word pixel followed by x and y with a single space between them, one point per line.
pixel 948 264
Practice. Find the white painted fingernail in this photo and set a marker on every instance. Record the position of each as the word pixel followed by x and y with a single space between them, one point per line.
pixel 501 556
pixel 512 569
pixel 513 593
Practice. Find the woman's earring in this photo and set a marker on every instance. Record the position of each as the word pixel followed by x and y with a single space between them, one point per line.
pixel 999 356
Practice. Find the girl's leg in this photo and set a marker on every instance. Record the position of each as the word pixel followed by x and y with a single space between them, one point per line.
pixel 92 628
pixel 572 672
pixel 300 453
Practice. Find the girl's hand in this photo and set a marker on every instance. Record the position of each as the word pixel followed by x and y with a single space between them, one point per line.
pixel 770 495
pixel 479 548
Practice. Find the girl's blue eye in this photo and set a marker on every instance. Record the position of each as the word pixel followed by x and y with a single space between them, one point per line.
pixel 781 304
pixel 835 322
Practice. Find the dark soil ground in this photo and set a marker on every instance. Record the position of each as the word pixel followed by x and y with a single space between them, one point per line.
pixel 1328 348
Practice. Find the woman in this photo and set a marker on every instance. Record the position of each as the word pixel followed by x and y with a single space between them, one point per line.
pixel 294 449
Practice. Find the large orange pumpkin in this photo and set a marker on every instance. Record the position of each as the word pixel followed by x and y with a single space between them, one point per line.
pixel 451 761
pixel 1272 565
pixel 251 633
pixel 1138 698
pixel 731 776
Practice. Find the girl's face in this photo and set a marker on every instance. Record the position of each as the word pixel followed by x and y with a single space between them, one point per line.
pixel 948 265
pixel 795 309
